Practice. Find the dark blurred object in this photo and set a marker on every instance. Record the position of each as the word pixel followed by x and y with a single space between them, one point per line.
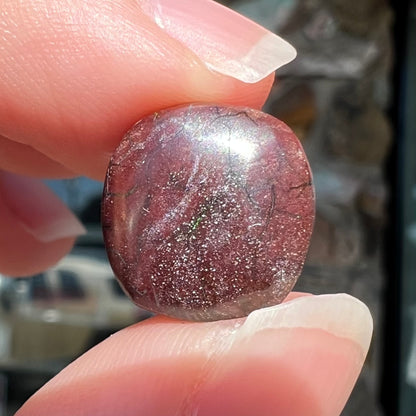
pixel 91 212
pixel 3 395
pixel 295 103
pixel 358 130
pixel 38 289
pixel 398 393
pixel 70 285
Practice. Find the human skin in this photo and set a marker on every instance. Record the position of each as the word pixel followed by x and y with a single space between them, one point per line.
pixel 75 76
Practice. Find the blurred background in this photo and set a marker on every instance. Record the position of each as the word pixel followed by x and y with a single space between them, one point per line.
pixel 350 97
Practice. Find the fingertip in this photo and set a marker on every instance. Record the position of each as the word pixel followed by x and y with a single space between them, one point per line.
pixel 283 362
pixel 223 39
pixel 37 229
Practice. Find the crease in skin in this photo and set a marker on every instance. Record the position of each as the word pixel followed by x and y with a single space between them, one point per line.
pixel 172 340
pixel 24 159
pixel 341 315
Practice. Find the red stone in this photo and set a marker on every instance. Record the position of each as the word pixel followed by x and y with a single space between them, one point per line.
pixel 208 211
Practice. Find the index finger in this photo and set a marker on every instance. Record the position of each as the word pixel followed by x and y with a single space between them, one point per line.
pixel 76 75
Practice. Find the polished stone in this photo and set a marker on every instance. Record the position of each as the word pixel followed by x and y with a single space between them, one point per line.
pixel 208 211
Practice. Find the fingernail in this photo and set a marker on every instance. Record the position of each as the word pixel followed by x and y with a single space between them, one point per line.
pixel 39 211
pixel 341 315
pixel 226 41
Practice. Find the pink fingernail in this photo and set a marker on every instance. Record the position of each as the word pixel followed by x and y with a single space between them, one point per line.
pixel 40 212
pixel 338 314
pixel 226 41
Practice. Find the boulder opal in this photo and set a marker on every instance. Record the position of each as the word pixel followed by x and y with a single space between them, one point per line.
pixel 208 211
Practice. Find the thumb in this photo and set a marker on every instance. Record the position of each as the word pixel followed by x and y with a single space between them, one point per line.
pixel 299 358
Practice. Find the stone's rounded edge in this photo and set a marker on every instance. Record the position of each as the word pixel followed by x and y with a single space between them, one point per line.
pixel 138 284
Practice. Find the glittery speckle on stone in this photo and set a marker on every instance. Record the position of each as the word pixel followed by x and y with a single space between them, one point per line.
pixel 208 211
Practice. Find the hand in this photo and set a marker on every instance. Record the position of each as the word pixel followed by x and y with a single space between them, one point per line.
pixel 75 76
